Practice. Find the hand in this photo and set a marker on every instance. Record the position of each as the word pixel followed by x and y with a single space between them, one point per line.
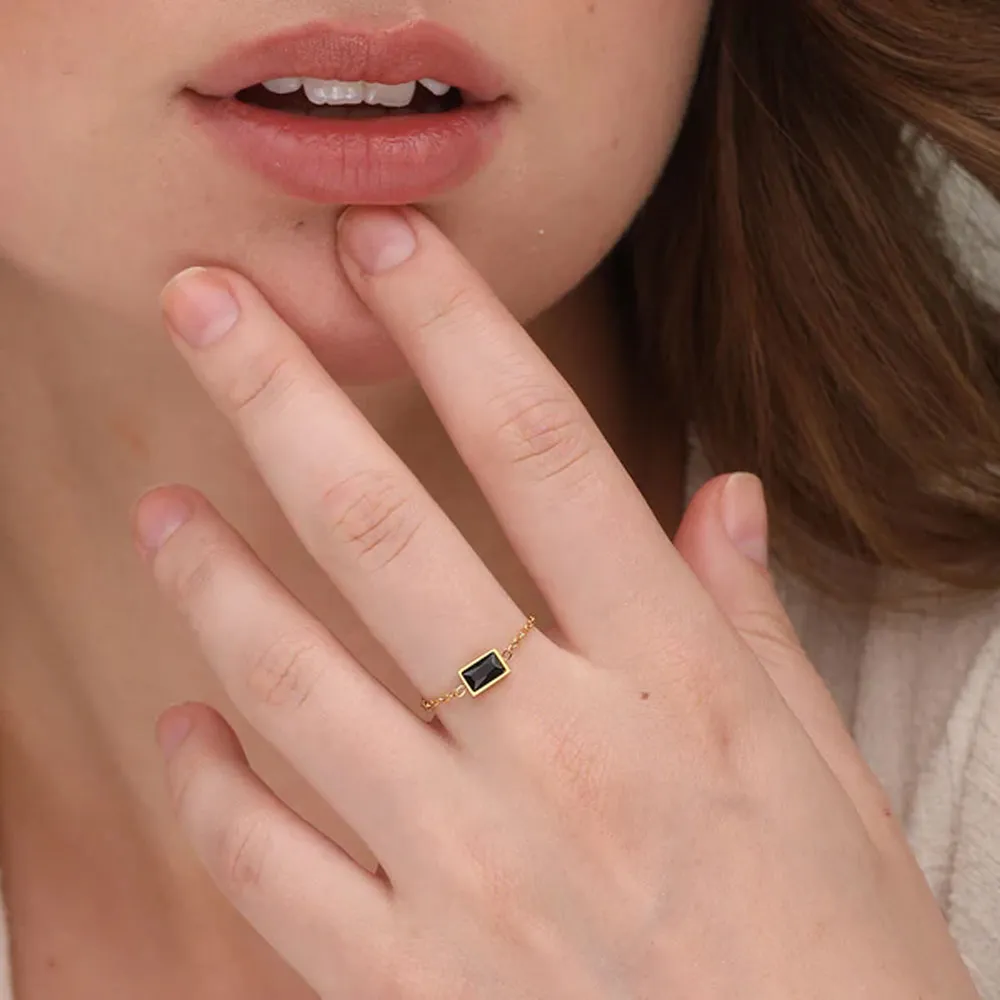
pixel 663 803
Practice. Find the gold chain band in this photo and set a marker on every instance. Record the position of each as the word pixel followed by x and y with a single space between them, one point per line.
pixel 496 668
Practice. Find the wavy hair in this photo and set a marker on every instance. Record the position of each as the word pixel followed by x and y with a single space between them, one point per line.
pixel 796 282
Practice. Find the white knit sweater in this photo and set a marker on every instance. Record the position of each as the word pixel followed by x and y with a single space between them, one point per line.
pixel 921 693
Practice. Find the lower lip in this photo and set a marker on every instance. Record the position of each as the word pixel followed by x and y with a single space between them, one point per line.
pixel 374 161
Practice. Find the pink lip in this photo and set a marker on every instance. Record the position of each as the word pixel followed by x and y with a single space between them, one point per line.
pixel 329 52
pixel 392 160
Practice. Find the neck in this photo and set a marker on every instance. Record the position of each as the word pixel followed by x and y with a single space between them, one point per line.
pixel 91 415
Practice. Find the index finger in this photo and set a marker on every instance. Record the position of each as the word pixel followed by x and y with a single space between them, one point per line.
pixel 572 512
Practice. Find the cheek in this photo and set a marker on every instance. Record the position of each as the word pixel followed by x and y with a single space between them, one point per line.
pixel 107 210
pixel 106 190
pixel 609 86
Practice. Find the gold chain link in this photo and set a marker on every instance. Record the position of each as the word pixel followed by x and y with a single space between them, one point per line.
pixel 429 704
pixel 519 638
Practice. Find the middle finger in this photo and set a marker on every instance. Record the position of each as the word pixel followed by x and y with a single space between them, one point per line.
pixel 572 512
pixel 409 573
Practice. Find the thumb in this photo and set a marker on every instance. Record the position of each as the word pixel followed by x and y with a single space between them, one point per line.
pixel 724 538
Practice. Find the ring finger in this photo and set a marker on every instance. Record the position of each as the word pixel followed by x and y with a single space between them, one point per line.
pixel 296 684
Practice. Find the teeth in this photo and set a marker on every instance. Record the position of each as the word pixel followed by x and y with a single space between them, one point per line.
pixel 437 88
pixel 285 85
pixel 395 96
pixel 335 92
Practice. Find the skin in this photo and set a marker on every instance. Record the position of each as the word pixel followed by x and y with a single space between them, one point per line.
pixel 667 695
pixel 105 193
pixel 102 164
pixel 667 804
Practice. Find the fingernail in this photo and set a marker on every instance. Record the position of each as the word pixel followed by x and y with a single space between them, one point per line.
pixel 172 729
pixel 199 306
pixel 157 517
pixel 744 516
pixel 377 240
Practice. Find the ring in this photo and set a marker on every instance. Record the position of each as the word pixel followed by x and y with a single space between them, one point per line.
pixel 483 672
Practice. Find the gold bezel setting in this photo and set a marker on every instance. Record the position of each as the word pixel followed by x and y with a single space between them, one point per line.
pixel 484 672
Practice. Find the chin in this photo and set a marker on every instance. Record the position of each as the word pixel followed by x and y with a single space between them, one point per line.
pixel 296 269
pixel 350 345
pixel 288 251
pixel 336 326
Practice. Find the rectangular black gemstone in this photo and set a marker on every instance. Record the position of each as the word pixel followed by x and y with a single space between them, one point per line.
pixel 484 672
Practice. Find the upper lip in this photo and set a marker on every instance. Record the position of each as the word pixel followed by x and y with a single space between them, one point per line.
pixel 411 51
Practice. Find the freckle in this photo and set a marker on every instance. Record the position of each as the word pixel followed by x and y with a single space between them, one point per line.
pixel 131 437
pixel 644 695
pixel 50 962
pixel 591 7
pixel 300 223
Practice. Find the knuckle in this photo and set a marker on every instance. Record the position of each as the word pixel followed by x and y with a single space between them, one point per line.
pixel 721 747
pixel 767 632
pixel 233 845
pixel 688 660
pixel 543 432
pixel 713 708
pixel 261 383
pixel 579 768
pixel 192 582
pixel 287 671
pixel 187 783
pixel 726 741
pixel 241 852
pixel 455 307
pixel 372 516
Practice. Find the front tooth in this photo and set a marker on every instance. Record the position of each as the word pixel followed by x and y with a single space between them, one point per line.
pixel 437 88
pixel 346 93
pixel 397 95
pixel 315 90
pixel 333 91
pixel 284 85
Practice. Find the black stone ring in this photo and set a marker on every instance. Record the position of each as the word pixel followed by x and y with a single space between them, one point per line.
pixel 483 672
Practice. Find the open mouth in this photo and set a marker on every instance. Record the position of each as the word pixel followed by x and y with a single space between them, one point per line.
pixel 341 116
pixel 347 100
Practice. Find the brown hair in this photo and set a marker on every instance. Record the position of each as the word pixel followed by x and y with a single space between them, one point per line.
pixel 796 280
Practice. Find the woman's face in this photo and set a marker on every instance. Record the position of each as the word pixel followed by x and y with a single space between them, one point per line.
pixel 109 185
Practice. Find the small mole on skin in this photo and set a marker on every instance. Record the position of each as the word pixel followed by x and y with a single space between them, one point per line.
pixel 591 7
pixel 300 223
pixel 644 695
